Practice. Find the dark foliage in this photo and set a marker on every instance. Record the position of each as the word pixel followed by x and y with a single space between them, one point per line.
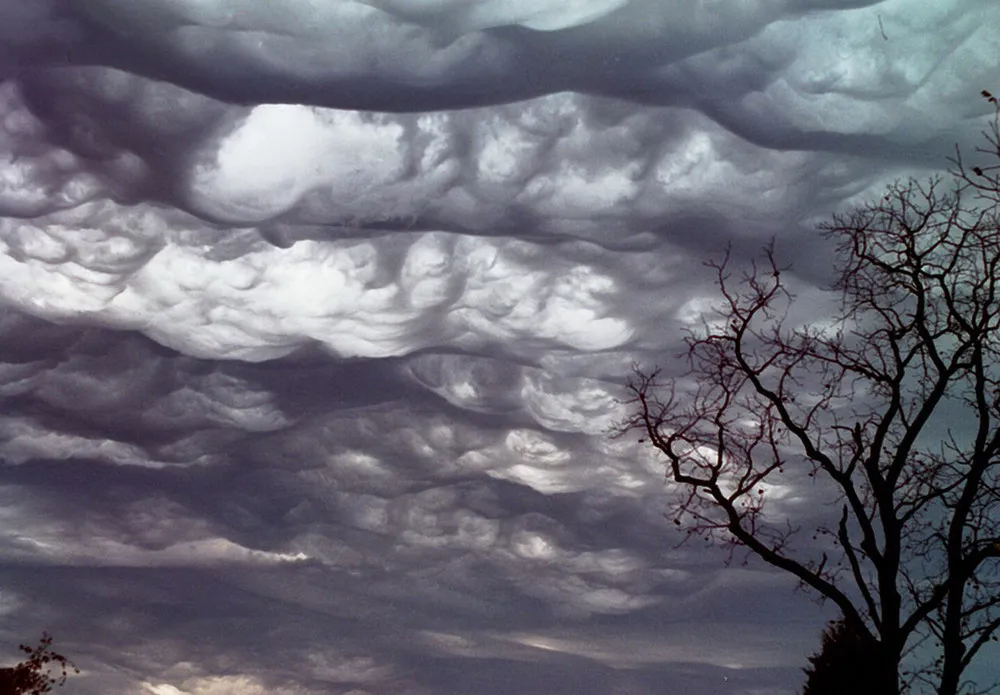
pixel 845 664
pixel 32 676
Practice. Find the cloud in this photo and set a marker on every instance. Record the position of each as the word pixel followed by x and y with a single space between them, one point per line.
pixel 314 319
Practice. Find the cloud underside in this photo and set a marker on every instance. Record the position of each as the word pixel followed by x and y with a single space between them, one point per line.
pixel 314 318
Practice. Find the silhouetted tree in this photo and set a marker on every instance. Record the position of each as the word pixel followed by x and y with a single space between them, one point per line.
pixel 891 406
pixel 844 664
pixel 32 677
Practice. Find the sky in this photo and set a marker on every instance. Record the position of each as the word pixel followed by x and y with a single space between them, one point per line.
pixel 314 316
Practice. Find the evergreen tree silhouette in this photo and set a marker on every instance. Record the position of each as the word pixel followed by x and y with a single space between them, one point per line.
pixel 845 664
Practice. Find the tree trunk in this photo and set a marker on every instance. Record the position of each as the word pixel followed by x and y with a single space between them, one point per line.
pixel 887 672
pixel 951 672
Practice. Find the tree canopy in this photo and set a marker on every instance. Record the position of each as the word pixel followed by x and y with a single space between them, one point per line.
pixel 888 408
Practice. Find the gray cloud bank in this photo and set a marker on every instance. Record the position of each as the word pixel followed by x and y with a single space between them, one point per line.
pixel 313 317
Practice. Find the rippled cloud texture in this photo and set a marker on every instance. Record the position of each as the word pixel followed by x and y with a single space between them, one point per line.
pixel 314 313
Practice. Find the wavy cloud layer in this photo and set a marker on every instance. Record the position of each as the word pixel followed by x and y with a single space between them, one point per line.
pixel 314 317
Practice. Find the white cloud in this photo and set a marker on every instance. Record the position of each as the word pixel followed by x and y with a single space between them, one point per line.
pixel 224 685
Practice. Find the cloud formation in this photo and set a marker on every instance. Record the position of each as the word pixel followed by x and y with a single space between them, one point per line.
pixel 314 316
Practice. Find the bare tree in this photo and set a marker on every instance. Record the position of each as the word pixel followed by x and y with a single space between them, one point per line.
pixel 891 406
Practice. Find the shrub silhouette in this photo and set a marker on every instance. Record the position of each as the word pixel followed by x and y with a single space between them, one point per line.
pixel 31 677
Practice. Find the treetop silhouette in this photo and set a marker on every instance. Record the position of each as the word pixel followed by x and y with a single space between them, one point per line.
pixel 32 676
